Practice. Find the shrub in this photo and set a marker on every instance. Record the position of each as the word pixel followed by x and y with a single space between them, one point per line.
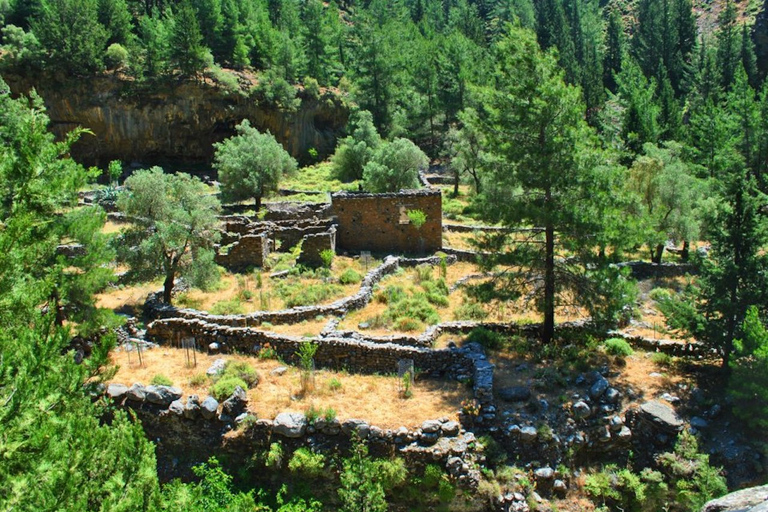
pixel 241 370
pixel 185 301
pixel 307 463
pixel 329 414
pixel 225 386
pixel 228 307
pixel 390 295
pixel 295 293
pixel 487 338
pixel 470 310
pixel 661 359
pixel 422 273
pixel 198 379
pixel 618 347
pixel 116 57
pixel 311 87
pixel 417 217
pixel 350 276
pixel 408 324
pixel 274 458
pixel 334 384
pixel 312 414
pixel 161 380
pixel 416 307
pixel 327 257
pixel 277 91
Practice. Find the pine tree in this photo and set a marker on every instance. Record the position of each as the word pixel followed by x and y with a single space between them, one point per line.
pixel 187 52
pixel 615 52
pixel 728 45
pixel 748 57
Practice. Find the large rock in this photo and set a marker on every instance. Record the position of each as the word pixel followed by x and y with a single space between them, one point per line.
pixel 209 407
pixel 216 368
pixel 515 394
pixel 136 393
pixel 116 391
pixel 754 499
pixel 162 395
pixel 661 416
pixel 599 387
pixel 235 405
pixel 192 407
pixel 290 424
pixel 581 410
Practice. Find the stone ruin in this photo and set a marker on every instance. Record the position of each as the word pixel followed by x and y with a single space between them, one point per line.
pixel 352 222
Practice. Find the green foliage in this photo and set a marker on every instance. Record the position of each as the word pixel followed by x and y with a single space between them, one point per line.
pixel 241 370
pixel 327 256
pixel 275 456
pixel 20 49
pixel 251 164
pixel 198 379
pixel 350 276
pixel 306 354
pixel 748 382
pixel 487 338
pixel 161 380
pixel 307 463
pixel 417 217
pixel 277 91
pixel 470 310
pixel 618 347
pixel 394 166
pixel 213 492
pixel 174 228
pixel 116 56
pixel 355 151
pixel 365 482
pixel 228 307
pixel 225 386
pixel 186 50
pixel 295 293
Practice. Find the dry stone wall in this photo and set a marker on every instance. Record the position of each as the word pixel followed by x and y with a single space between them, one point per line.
pixel 247 251
pixel 379 222
pixel 313 246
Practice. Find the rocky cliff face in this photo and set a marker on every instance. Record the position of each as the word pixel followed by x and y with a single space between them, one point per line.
pixel 179 122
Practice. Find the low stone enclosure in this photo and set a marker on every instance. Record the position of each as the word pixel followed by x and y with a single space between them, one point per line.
pixel 352 222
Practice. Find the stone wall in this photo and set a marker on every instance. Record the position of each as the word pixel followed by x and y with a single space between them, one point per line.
pixel 378 222
pixel 248 251
pixel 313 245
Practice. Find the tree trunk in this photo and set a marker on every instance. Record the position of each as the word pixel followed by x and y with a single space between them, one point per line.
pixel 656 256
pixel 686 252
pixel 548 333
pixel 456 177
pixel 168 286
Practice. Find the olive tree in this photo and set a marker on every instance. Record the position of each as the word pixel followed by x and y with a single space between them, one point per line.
pixel 251 164
pixel 395 165
pixel 173 228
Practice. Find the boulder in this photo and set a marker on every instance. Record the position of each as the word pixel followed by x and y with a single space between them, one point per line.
pixel 450 428
pixel 514 394
pixel 528 434
pixel 754 499
pixel 176 408
pixel 209 407
pixel 136 393
pixel 661 416
pixel 162 395
pixel 354 425
pixel 545 473
pixel 280 370
pixel 236 404
pixel 581 410
pixel 430 426
pixel 599 387
pixel 216 368
pixel 192 407
pixel 290 424
pixel 116 391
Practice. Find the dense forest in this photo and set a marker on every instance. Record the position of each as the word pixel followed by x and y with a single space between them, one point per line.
pixel 611 125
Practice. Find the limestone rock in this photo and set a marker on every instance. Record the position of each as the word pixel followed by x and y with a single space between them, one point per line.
pixel 661 415
pixel 754 499
pixel 450 428
pixel 162 395
pixel 176 407
pixel 290 424
pixel 599 387
pixel 528 434
pixel 216 368
pixel 209 407
pixel 581 409
pixel 116 391
pixel 354 425
pixel 192 407
pixel 136 393
pixel 235 404
pixel 430 426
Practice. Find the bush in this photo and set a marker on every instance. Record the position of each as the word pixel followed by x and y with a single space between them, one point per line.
pixel 422 273
pixel 198 379
pixel 487 338
pixel 390 295
pixel 307 463
pixel 116 57
pixel 225 386
pixel 350 276
pixel 274 458
pixel 408 324
pixel 662 359
pixel 161 380
pixel 295 293
pixel 470 310
pixel 277 91
pixel 228 307
pixel 618 347
pixel 241 370
pixel 417 217
pixel 334 384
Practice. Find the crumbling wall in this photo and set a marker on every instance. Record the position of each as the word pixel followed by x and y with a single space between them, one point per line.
pixel 314 245
pixel 248 251
pixel 379 222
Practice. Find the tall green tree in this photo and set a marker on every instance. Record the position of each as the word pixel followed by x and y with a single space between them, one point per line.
pixel 173 230
pixel 251 164
pixel 728 45
pixel 187 51
pixel 71 35
pixel 394 165
pixel 551 174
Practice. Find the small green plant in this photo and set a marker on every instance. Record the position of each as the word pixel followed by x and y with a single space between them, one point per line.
pixel 487 338
pixel 312 414
pixel 406 381
pixel 306 354
pixel 662 359
pixel 618 347
pixel 443 265
pixel 248 422
pixel 307 463
pixel 267 351
pixel 334 384
pixel 198 379
pixel 275 456
pixel 417 217
pixel 228 307
pixel 350 276
pixel 225 386
pixel 470 310
pixel 259 280
pixel 327 256
pixel 422 273
pixel 161 380
pixel 184 300
pixel 329 414
pixel 241 370
pixel 312 154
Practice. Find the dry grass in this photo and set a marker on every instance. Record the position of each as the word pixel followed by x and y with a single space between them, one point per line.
pixel 371 397
pixel 128 296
